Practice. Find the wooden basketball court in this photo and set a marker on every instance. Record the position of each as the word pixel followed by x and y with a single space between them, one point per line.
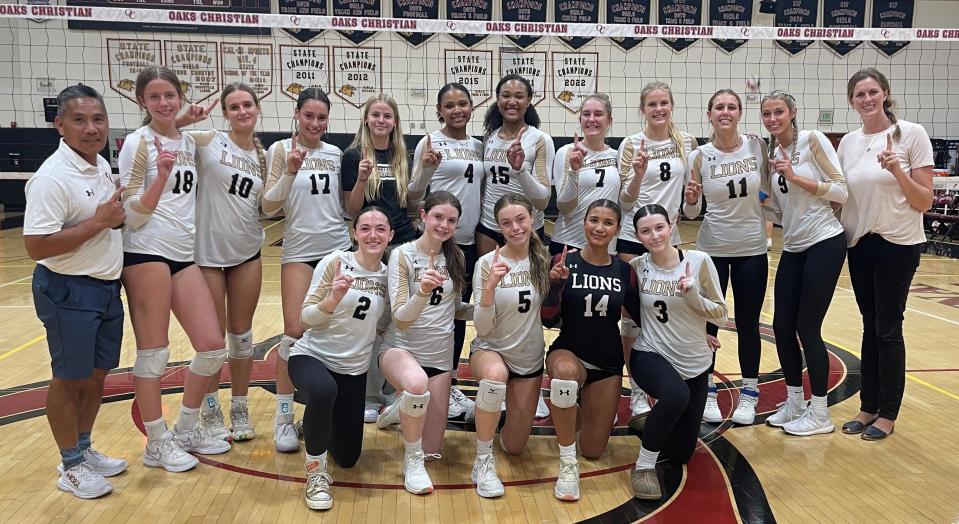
pixel 753 474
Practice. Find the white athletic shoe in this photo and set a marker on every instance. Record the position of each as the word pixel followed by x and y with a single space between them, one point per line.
pixel 168 454
pixel 415 478
pixel 240 423
pixel 318 492
pixel 84 482
pixel 810 423
pixel 745 412
pixel 788 412
pixel 567 483
pixel 484 476
pixel 542 410
pixel 712 414
pixel 459 403
pixel 371 412
pixel 298 425
pixel 102 464
pixel 284 436
pixel 638 403
pixel 201 441
pixel 389 416
pixel 213 422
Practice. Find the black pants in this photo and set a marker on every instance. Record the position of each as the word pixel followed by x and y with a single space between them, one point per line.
pixel 881 274
pixel 805 283
pixel 673 424
pixel 459 326
pixel 749 289
pixel 334 409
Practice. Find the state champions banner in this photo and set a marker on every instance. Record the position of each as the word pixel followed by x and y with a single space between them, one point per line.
pixel 793 15
pixel 349 12
pixel 683 13
pixel 577 12
pixel 735 13
pixel 890 15
pixel 627 12
pixel 472 69
pixel 524 11
pixel 417 10
pixel 303 8
pixel 843 13
pixel 574 78
pixel 465 10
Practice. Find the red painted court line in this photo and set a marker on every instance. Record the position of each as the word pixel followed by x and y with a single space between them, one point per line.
pixel 831 372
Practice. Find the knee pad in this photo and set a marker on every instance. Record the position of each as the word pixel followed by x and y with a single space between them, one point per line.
pixel 240 345
pixel 150 363
pixel 490 395
pixel 562 393
pixel 208 363
pixel 414 405
pixel 285 344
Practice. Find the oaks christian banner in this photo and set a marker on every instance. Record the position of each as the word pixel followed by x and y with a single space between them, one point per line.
pixel 474 10
pixel 354 9
pixel 417 10
pixel 627 12
pixel 892 14
pixel 680 12
pixel 574 78
pixel 299 8
pixel 843 13
pixel 303 67
pixel 530 65
pixel 796 13
pixel 473 69
pixel 524 11
pixel 737 13
pixel 576 12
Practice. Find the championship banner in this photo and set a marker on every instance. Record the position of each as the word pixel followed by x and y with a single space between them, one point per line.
pixel 357 73
pixel 530 65
pixel 796 13
pixel 843 13
pixel 299 8
pixel 474 10
pixel 627 12
pixel 303 67
pixel 196 65
pixel 892 14
pixel 574 78
pixel 524 11
pixel 189 16
pixel 473 69
pixel 736 13
pixel 576 12
pixel 251 64
pixel 357 9
pixel 125 59
pixel 680 12
pixel 417 10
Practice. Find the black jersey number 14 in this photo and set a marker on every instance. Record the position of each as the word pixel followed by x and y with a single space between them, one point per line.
pixel 600 307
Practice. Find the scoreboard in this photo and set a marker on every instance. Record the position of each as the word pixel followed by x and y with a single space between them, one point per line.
pixel 221 6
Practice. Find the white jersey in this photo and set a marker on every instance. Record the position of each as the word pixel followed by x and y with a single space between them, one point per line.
pixel 808 218
pixel 672 323
pixel 460 172
pixel 734 225
pixel 511 327
pixel 598 178
pixel 170 230
pixel 313 204
pixel 876 203
pixel 64 192
pixel 344 343
pixel 430 337
pixel 533 181
pixel 663 182
pixel 228 203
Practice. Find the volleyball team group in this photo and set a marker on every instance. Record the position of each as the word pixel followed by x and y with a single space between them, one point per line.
pixel 457 236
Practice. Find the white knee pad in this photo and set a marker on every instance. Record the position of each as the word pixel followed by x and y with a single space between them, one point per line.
pixel 285 344
pixel 562 393
pixel 414 405
pixel 240 345
pixel 490 395
pixel 150 363
pixel 208 363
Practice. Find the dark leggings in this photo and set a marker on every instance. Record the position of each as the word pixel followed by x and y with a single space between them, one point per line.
pixel 881 274
pixel 459 326
pixel 749 290
pixel 805 282
pixel 673 424
pixel 333 418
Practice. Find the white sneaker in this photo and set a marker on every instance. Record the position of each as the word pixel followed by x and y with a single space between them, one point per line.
pixel 542 410
pixel 788 412
pixel 284 436
pixel 201 441
pixel 240 423
pixel 415 478
pixel 298 425
pixel 567 483
pixel 810 423
pixel 102 464
pixel 484 476
pixel 459 403
pixel 712 414
pixel 213 422
pixel 84 482
pixel 639 403
pixel 318 493
pixel 745 412
pixel 168 454
pixel 370 413
pixel 389 416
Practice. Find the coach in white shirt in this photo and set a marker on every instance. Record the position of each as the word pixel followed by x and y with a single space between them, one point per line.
pixel 71 228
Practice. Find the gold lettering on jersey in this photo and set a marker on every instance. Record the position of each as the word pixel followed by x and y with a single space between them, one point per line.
pixel 418 272
pixel 369 285
pixel 495 155
pixel 319 164
pixel 462 153
pixel 665 288
pixel 595 282
pixel 734 168
pixel 600 163
pixel 239 163
pixel 184 158
pixel 516 279
pixel 670 151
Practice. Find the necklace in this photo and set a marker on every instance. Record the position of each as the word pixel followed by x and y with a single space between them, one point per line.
pixel 729 148
pixel 871 140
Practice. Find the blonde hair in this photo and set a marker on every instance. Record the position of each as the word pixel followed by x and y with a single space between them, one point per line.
pixel 671 128
pixel 399 164
pixel 538 254
pixel 888 105
pixel 260 150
